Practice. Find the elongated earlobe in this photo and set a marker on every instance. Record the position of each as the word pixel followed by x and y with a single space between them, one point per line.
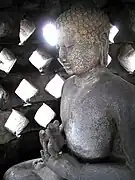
pixel 104 47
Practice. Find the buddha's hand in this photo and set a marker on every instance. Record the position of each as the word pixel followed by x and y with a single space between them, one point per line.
pixel 51 140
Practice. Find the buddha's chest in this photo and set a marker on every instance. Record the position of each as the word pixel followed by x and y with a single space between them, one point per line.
pixel 71 101
pixel 79 113
pixel 82 110
pixel 77 101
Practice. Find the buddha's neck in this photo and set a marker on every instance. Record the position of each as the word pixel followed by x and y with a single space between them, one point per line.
pixel 91 76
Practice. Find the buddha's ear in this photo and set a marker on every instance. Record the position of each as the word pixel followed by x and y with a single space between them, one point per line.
pixel 104 46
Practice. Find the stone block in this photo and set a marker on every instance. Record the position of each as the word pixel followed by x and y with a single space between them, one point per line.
pixel 40 82
pixel 12 81
pixel 9 26
pixel 40 59
pixel 16 123
pixel 5 136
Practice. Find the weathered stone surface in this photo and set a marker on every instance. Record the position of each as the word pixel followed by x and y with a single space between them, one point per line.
pixel 40 82
pixel 30 134
pixel 19 149
pixel 5 135
pixel 115 66
pixel 126 57
pixel 27 28
pixel 125 21
pixel 29 112
pixel 7 59
pixel 9 26
pixel 11 82
pixel 16 123
pixel 13 150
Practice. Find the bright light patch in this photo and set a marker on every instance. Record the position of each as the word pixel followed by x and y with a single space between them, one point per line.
pixel 40 59
pixel 26 30
pixel 54 87
pixel 128 62
pixel 26 90
pixel 109 60
pixel 44 115
pixel 7 60
pixel 27 104
pixel 113 31
pixel 50 34
pixel 16 123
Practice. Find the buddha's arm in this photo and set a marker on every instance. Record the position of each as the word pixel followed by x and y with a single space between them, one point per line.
pixel 104 171
pixel 68 168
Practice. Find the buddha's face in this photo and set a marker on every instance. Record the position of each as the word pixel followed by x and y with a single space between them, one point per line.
pixel 76 53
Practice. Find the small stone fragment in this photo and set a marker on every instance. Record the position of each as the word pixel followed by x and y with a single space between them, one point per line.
pixel 7 60
pixel 26 30
pixel 126 58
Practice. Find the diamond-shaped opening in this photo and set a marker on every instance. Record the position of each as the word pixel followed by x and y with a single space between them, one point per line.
pixel 26 90
pixel 54 87
pixel 113 32
pixel 109 60
pixel 16 122
pixel 40 59
pixel 44 115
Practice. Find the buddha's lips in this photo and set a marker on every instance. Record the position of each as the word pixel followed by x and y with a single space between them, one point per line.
pixel 67 65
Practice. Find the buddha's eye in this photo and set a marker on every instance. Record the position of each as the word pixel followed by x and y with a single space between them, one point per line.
pixel 69 47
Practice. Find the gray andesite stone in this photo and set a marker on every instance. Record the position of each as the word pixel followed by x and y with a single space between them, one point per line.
pixel 5 135
pixel 12 81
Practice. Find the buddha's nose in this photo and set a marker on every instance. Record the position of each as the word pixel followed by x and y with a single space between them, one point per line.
pixel 62 55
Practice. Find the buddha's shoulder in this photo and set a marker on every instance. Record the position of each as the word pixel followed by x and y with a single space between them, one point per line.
pixel 113 82
pixel 69 82
pixel 108 76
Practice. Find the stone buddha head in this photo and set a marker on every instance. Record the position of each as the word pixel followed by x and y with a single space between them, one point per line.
pixel 83 39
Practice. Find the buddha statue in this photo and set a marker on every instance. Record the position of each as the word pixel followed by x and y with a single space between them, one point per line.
pixel 95 139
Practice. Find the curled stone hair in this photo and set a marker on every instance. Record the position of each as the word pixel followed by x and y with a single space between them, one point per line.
pixel 87 21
